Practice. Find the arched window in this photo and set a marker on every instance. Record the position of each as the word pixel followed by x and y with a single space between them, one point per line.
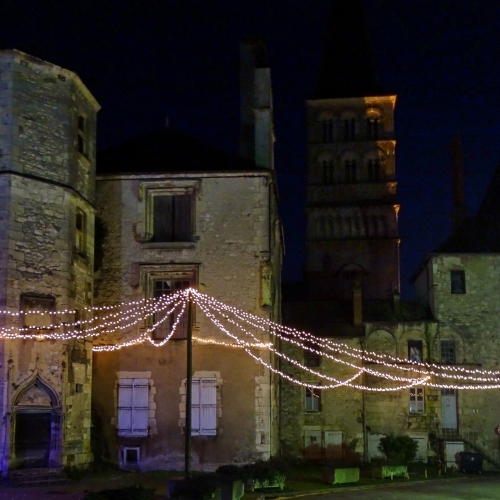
pixel 327 130
pixel 372 128
pixel 328 171
pixel 350 171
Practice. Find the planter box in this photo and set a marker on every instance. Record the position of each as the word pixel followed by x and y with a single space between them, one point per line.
pixel 340 476
pixel 231 489
pixel 384 471
pixel 277 482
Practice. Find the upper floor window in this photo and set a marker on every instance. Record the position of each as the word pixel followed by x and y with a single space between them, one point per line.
pixel 165 320
pixel 349 129
pixel 448 352
pixel 204 407
pixel 133 407
pixel 171 218
pixel 374 170
pixel 80 231
pixel 415 348
pixel 350 171
pixel 31 305
pixel 328 171
pixel 457 279
pixel 313 399
pixel 327 130
pixel 416 400
pixel 312 358
pixel 82 146
pixel 372 128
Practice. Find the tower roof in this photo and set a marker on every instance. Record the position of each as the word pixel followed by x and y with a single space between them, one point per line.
pixel 347 68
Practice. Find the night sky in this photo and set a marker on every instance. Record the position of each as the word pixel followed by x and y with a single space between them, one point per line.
pixel 144 61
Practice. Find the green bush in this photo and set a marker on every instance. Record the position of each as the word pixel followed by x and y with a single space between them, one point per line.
pixel 398 449
pixel 136 492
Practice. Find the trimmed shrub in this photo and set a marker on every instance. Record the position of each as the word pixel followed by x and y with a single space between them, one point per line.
pixel 398 449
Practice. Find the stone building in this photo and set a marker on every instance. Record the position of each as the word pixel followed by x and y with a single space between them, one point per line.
pixel 47 197
pixel 177 214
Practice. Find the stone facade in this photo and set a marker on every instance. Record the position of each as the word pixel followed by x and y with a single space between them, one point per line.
pixel 233 255
pixel 47 191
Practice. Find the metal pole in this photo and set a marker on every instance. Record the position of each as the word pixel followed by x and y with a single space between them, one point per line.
pixel 189 377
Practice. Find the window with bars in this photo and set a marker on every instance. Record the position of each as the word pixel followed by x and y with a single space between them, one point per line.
pixel 40 304
pixel 133 407
pixel 204 407
pixel 448 352
pixel 416 400
pixel 164 320
pixel 312 399
pixel 171 218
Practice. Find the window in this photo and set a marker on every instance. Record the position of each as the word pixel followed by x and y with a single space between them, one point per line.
pixel 457 279
pixel 372 127
pixel 131 456
pixel 327 130
pixel 80 231
pixel 312 359
pixel 133 407
pixel 350 168
pixel 415 348
pixel 313 399
pixel 81 135
pixel 172 218
pixel 448 352
pixel 349 129
pixel 327 172
pixel 374 170
pixel 416 400
pixel 163 287
pixel 44 304
pixel 204 407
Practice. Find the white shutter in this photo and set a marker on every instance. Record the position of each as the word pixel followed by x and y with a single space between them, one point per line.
pixel 124 406
pixel 140 407
pixel 208 407
pixel 195 407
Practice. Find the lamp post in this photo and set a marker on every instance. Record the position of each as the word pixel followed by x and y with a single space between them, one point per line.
pixel 189 377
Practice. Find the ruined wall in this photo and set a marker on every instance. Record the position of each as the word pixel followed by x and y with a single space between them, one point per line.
pixel 231 255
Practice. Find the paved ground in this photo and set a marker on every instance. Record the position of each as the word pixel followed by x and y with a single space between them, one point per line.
pixel 477 488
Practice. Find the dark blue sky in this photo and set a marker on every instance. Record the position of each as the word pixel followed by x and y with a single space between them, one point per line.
pixel 146 60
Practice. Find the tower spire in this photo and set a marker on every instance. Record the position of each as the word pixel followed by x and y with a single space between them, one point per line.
pixel 347 68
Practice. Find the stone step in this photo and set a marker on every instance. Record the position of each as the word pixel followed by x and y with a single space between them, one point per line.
pixel 37 477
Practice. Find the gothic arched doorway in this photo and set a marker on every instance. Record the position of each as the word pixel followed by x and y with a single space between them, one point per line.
pixel 36 429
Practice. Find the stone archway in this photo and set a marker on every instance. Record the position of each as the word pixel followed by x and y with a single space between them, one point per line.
pixel 35 429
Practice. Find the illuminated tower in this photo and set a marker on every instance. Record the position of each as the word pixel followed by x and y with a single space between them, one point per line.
pixel 352 212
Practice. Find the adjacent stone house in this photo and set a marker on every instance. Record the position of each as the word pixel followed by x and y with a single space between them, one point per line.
pixel 47 197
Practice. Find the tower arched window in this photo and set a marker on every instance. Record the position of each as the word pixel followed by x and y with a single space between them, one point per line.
pixel 327 130
pixel 350 171
pixel 372 128
pixel 349 129
pixel 328 171
pixel 374 173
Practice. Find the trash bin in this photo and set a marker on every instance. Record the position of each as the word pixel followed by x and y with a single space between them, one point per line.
pixel 471 462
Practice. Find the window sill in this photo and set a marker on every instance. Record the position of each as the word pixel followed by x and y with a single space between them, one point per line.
pixel 168 245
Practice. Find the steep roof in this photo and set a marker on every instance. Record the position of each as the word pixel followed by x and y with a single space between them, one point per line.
pixel 347 68
pixel 167 150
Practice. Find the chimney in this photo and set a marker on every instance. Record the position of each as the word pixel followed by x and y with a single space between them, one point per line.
pixel 357 305
pixel 459 210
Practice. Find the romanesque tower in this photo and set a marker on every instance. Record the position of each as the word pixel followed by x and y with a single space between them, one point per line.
pixel 47 192
pixel 352 212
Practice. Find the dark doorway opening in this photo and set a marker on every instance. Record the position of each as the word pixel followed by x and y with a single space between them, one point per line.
pixel 32 439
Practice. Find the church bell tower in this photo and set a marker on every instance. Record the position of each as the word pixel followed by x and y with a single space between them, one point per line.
pixel 352 209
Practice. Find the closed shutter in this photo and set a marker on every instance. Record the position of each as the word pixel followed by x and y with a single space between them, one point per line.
pixel 195 407
pixel 208 407
pixel 141 407
pixel 204 407
pixel 125 406
pixel 182 218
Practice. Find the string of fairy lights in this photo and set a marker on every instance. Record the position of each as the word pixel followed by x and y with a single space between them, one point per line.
pixel 118 326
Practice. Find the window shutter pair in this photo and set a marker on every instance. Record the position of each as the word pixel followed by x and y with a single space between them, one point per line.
pixel 172 218
pixel 133 407
pixel 204 407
